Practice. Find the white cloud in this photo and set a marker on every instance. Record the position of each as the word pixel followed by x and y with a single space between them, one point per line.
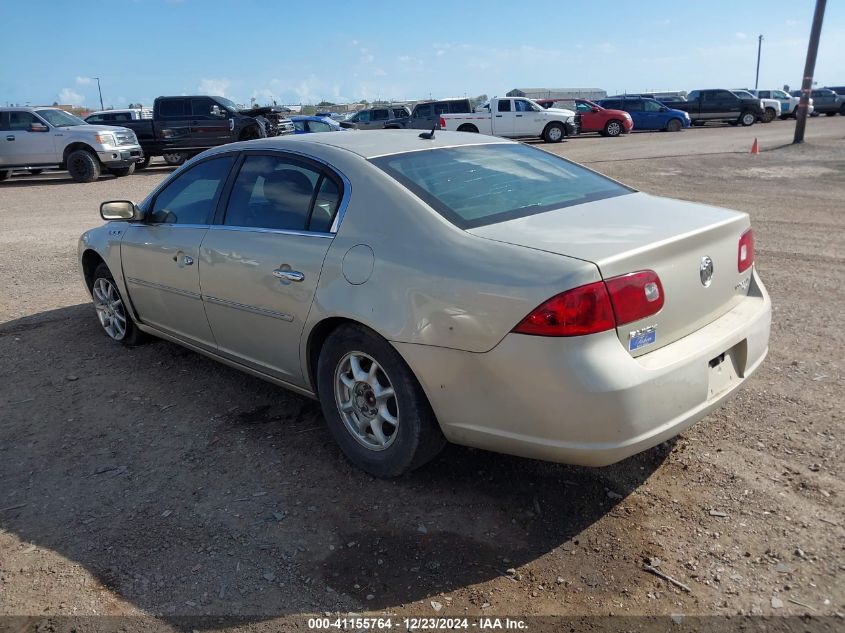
pixel 70 97
pixel 740 35
pixel 84 81
pixel 214 87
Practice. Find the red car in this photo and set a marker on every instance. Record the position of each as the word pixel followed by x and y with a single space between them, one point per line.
pixel 594 118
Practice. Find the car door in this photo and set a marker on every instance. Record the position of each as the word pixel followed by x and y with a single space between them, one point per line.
pixel 652 115
pixel 590 121
pixel 174 121
pixel 503 121
pixel 635 108
pixel 23 145
pixel 262 262
pixel 209 125
pixel 423 117
pixel 378 117
pixel 525 120
pixel 161 255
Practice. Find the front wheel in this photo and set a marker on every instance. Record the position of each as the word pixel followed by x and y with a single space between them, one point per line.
pixel 144 163
pixel 769 115
pixel 112 312
pixel 830 113
pixel 613 128
pixel 674 125
pixel 174 158
pixel 373 405
pixel 747 118
pixel 553 133
pixel 120 172
pixel 83 166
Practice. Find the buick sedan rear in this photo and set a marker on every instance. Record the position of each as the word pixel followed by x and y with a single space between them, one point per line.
pixel 461 288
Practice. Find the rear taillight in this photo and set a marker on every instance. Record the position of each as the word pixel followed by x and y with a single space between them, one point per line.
pixel 596 307
pixel 635 296
pixel 442 123
pixel 583 310
pixel 745 255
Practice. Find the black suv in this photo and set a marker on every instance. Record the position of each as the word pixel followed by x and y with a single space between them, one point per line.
pixel 374 118
pixel 426 114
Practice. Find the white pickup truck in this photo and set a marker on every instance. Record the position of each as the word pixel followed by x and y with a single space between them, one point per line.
pixel 35 139
pixel 515 117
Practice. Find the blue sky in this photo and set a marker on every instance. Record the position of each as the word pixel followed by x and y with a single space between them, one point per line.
pixel 303 53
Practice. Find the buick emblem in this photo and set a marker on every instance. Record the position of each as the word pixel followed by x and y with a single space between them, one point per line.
pixel 705 271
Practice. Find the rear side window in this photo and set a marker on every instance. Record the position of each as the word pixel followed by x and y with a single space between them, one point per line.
pixel 283 193
pixel 380 115
pixel 612 105
pixel 21 120
pixel 173 107
pixel 94 118
pixel 483 184
pixel 192 196
pixel 504 105
pixel 459 107
pixel 633 105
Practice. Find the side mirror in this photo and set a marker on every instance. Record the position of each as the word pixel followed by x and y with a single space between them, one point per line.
pixel 124 210
pixel 594 109
pixel 664 109
pixel 38 127
pixel 216 111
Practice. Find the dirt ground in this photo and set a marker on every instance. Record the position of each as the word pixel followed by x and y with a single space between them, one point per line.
pixel 153 481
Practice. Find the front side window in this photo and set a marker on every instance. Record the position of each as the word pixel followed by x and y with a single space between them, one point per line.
pixel 582 107
pixel 94 118
pixel 21 120
pixel 201 107
pixel 422 111
pixel 400 113
pixel 523 106
pixel 192 196
pixel 283 193
pixel 441 108
pixel 633 105
pixel 477 185
pixel 319 126
pixel 693 96
pixel 59 118
pixel 364 116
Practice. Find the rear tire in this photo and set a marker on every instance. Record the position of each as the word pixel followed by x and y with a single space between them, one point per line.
pixel 83 166
pixel 112 311
pixel 249 134
pixel 674 125
pixel 120 172
pixel 769 115
pixel 554 133
pixel 356 367
pixel 830 113
pixel 174 158
pixel 613 128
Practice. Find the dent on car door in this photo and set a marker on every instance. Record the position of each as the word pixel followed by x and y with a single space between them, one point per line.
pixel 262 263
pixel 160 256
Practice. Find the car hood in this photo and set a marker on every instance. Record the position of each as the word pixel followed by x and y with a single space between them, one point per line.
pixel 94 129
pixel 562 111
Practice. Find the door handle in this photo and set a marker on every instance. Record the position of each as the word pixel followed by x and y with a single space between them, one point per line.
pixel 10 137
pixel 287 276
pixel 518 115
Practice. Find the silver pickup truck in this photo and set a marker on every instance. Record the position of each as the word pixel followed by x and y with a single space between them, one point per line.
pixel 38 138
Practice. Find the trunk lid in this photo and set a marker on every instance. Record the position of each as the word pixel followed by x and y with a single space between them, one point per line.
pixel 640 232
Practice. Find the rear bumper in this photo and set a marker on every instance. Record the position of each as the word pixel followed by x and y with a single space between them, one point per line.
pixel 585 400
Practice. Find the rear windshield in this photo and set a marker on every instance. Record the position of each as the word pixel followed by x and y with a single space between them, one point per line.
pixel 477 185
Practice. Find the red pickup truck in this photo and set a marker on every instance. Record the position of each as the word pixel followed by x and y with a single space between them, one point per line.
pixel 594 118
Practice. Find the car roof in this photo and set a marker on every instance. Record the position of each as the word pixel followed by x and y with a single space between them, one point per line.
pixel 371 143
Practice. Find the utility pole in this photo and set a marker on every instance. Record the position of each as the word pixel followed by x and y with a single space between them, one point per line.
pixel 809 69
pixel 101 93
pixel 757 76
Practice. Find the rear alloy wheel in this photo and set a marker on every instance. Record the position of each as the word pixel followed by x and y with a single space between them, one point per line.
pixel 613 128
pixel 373 404
pixel 174 158
pixel 769 115
pixel 120 172
pixel 83 166
pixel 747 118
pixel 553 133
pixel 111 311
pixel 674 125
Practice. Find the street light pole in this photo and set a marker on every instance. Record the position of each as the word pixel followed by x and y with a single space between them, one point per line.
pixel 759 46
pixel 809 69
pixel 102 107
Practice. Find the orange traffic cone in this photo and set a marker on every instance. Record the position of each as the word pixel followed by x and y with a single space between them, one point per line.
pixel 755 149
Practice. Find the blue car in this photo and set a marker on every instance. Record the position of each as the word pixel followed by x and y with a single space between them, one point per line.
pixel 308 124
pixel 647 113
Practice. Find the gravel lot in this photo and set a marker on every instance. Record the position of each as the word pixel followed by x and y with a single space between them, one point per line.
pixel 155 481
